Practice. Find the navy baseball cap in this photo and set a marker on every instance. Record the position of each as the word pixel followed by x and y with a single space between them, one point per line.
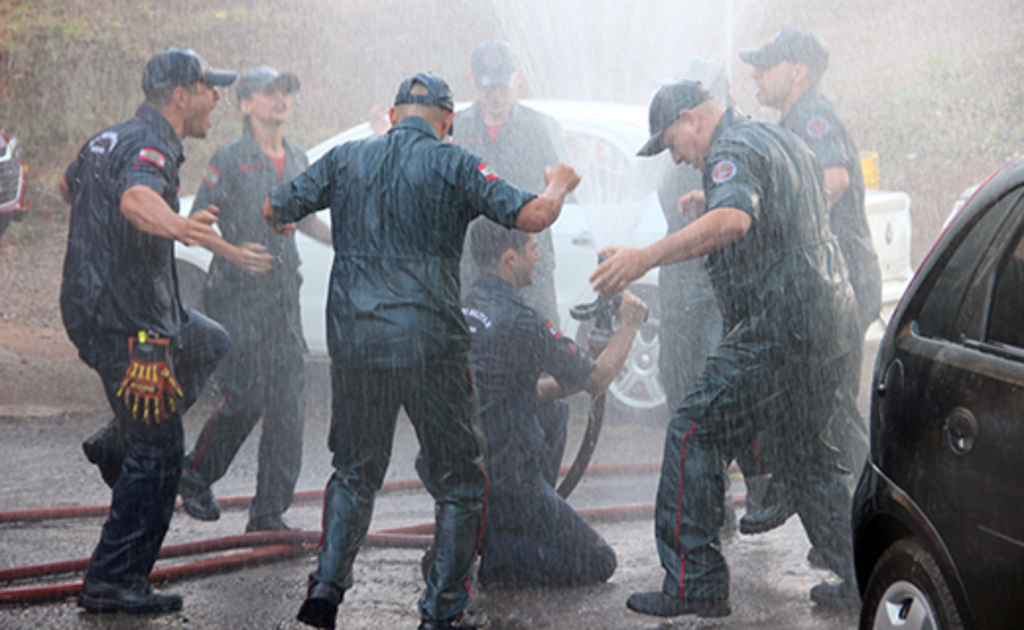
pixel 438 92
pixel 494 63
pixel 665 107
pixel 172 67
pixel 261 77
pixel 794 44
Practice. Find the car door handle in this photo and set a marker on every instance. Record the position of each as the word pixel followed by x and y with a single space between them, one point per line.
pixel 583 239
pixel 961 429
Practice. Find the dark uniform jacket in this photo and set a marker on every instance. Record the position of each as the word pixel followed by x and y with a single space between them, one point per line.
pixel 118 279
pixel 786 276
pixel 814 119
pixel 512 345
pixel 400 205
pixel 528 143
pixel 237 181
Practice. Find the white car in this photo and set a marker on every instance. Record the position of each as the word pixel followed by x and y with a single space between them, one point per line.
pixel 615 204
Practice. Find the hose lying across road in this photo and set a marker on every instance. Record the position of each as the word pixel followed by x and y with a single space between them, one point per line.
pixel 261 546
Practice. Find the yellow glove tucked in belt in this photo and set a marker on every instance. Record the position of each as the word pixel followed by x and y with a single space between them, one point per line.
pixel 149 388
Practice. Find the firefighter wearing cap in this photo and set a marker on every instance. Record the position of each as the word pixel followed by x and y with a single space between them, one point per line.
pixel 790 338
pixel 788 71
pixel 400 206
pixel 518 143
pixel 252 289
pixel 119 301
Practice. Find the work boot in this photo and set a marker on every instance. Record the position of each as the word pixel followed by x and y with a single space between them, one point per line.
pixel 467 620
pixel 98 596
pixel 774 511
pixel 267 523
pixel 842 595
pixel 197 499
pixel 106 449
pixel 320 609
pixel 663 605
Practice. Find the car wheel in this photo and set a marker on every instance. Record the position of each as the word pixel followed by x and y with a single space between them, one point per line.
pixel 190 285
pixel 907 590
pixel 5 220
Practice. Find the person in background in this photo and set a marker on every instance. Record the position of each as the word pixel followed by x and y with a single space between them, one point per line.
pixel 518 143
pixel 521 368
pixel 791 337
pixel 252 288
pixel 788 70
pixel 120 306
pixel 400 207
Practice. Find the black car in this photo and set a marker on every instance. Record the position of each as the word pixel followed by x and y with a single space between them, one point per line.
pixel 938 516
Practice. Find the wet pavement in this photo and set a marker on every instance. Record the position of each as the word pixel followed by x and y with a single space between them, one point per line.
pixel 41 465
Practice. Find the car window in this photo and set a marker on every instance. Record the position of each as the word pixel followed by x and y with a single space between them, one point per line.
pixel 942 305
pixel 1006 317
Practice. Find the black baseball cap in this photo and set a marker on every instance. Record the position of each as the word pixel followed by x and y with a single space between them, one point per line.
pixel 172 67
pixel 665 107
pixel 494 63
pixel 262 77
pixel 439 94
pixel 794 44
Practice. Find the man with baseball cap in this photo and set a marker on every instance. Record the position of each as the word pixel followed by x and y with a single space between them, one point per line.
pixel 518 142
pixel 788 70
pixel 252 288
pixel 790 336
pixel 120 305
pixel 400 206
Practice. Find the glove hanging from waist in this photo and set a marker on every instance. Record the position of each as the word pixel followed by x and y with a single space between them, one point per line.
pixel 149 389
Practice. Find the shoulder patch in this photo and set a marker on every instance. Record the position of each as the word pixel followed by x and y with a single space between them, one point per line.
pixel 487 172
pixel 557 334
pixel 153 156
pixel 817 127
pixel 725 171
pixel 211 176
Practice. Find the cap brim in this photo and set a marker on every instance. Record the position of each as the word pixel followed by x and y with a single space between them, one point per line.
pixel 758 58
pixel 653 146
pixel 220 77
pixel 496 79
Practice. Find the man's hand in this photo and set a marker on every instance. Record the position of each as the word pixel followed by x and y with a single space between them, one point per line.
pixel 632 311
pixel 284 229
pixel 691 204
pixel 253 259
pixel 200 227
pixel 622 266
pixel 562 176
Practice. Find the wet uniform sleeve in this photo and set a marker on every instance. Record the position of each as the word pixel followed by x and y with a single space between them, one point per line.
pixel 147 165
pixel 487 193
pixel 213 190
pixel 309 192
pixel 555 353
pixel 731 180
pixel 821 132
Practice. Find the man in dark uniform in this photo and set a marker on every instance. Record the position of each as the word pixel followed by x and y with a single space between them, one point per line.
pixel 518 143
pixel 790 338
pixel 532 536
pixel 400 206
pixel 119 300
pixel 252 288
pixel 788 71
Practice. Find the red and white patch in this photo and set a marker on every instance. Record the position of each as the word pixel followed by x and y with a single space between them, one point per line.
pixel 487 172
pixel 817 127
pixel 725 171
pixel 153 157
pixel 554 331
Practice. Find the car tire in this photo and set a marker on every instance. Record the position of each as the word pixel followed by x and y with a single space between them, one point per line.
pixel 636 394
pixel 907 590
pixel 190 286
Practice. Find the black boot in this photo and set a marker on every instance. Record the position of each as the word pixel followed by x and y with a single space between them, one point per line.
pixel 197 499
pixel 98 596
pixel 775 510
pixel 661 604
pixel 106 449
pixel 466 620
pixel 320 609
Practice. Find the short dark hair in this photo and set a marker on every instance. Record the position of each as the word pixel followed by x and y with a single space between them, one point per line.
pixel 489 241
pixel 161 97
